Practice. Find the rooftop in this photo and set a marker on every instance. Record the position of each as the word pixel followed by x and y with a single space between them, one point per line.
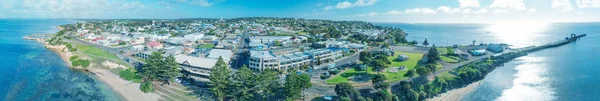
pixel 195 61
pixel 216 53
pixel 262 54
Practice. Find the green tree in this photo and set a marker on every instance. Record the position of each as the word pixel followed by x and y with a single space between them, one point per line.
pixel 219 79
pixel 410 73
pixel 268 83
pixel 450 51
pixel 378 81
pixel 383 95
pixel 295 84
pixel 169 70
pixel 378 65
pixel 364 56
pixel 243 84
pixel 152 67
pixel 433 55
pixel 346 90
pixel 425 43
pixel 423 71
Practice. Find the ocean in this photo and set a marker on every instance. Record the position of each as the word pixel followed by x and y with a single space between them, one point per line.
pixel 30 72
pixel 566 73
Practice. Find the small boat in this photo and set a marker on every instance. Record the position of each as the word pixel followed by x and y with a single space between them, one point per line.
pixel 487 31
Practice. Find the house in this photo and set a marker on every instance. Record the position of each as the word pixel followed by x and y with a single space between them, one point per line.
pixel 137 39
pixel 193 37
pixel 174 50
pixel 497 48
pixel 402 57
pixel 154 45
pixel 207 39
pixel 137 47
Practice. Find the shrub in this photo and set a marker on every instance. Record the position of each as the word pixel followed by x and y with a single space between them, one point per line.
pixel 147 87
pixel 129 74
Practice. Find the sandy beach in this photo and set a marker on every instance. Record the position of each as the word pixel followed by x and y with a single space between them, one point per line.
pixel 456 94
pixel 127 89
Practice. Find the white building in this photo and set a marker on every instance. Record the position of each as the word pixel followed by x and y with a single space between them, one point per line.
pixel 197 68
pixel 193 37
pixel 216 53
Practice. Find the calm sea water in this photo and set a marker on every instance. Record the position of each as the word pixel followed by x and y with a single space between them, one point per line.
pixel 29 72
pixel 567 73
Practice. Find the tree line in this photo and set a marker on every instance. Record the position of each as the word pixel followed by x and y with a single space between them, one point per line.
pixel 246 85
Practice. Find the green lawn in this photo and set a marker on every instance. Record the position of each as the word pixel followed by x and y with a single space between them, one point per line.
pixel 449 59
pixel 96 52
pixel 206 46
pixel 411 63
pixel 442 50
pixel 447 76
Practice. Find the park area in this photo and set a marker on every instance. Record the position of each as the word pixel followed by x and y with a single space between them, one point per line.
pixel 98 54
pixel 391 76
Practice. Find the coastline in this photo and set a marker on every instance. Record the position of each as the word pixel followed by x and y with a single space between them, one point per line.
pixel 127 89
pixel 456 94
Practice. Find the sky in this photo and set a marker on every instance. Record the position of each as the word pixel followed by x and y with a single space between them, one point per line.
pixel 408 11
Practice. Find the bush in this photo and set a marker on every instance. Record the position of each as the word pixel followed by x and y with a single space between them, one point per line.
pixel 80 62
pixel 73 58
pixel 129 74
pixel 147 87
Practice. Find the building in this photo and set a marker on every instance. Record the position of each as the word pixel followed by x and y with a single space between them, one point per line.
pixel 144 55
pixel 137 47
pixel 154 45
pixel 216 53
pixel 261 60
pixel 193 37
pixel 497 48
pixel 207 39
pixel 195 67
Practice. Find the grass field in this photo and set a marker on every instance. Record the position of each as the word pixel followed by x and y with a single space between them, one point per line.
pixel 449 59
pixel 409 64
pixel 96 52
pixel 447 76
pixel 206 46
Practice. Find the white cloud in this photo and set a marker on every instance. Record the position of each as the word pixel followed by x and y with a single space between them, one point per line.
pixel 500 11
pixel 562 5
pixel 328 7
pixel 343 5
pixel 587 3
pixel 369 14
pixel 468 3
pixel 347 4
pixel 364 2
pixel 393 12
pixel 444 9
pixel 454 10
pixel 481 11
pixel 508 4
pixel 420 10
pixel 466 11
pixel 532 10
pixel 197 2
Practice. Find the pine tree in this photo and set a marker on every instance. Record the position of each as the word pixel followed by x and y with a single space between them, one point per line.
pixel 425 43
pixel 219 79
pixel 170 70
pixel 243 84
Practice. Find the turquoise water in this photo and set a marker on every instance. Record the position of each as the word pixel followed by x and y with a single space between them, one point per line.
pixel 567 73
pixel 29 72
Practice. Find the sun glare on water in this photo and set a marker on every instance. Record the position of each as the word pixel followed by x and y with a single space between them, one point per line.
pixel 519 34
